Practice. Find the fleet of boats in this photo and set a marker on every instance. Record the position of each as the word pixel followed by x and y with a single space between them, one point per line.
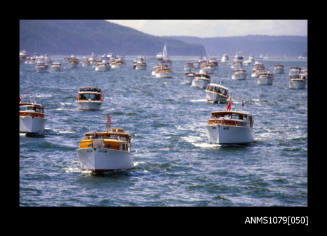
pixel 111 150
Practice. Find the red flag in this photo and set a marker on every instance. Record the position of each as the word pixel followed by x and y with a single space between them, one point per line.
pixel 109 122
pixel 20 99
pixel 229 105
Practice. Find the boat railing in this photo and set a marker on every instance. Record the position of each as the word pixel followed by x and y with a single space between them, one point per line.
pixel 227 122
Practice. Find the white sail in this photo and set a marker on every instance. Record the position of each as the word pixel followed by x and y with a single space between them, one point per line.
pixel 164 52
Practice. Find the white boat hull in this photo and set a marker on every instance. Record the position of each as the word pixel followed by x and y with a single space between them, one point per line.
pixel 28 124
pixel 218 134
pixel 101 68
pixel 240 76
pixel 297 84
pixel 264 81
pixel 103 159
pixel 188 79
pixel 200 83
pixel 140 67
pixel 89 105
pixel 164 75
pixel 215 98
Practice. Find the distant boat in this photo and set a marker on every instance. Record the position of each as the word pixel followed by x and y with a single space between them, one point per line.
pixel 265 78
pixel 216 93
pixel 239 74
pixel 201 80
pixel 224 58
pixel 89 98
pixel 56 66
pixel 279 69
pixel 41 66
pixel 139 64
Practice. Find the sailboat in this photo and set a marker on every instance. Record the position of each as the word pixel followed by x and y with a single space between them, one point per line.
pixel 165 59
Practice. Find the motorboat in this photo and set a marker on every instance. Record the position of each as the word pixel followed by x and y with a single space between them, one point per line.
pixel 31 118
pixel 117 62
pixel 89 98
pixel 201 80
pixel 206 67
pixel 224 58
pixel 159 56
pixel 73 62
pixel 22 56
pixel 164 72
pixel 230 127
pixel 265 78
pixel 258 68
pixel 278 69
pixel 249 61
pixel 86 62
pixel 294 70
pixel 216 93
pixel 140 64
pixel 41 66
pixel 56 66
pixel 237 65
pixel 239 74
pixel 238 57
pixel 296 82
pixel 213 63
pixel 188 77
pixel 102 66
pixel 106 151
pixel 304 74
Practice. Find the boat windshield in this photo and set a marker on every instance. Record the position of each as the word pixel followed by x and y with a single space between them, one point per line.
pixel 87 96
pixel 88 89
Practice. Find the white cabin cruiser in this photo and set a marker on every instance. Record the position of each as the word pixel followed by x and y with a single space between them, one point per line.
pixel 201 80
pixel 265 78
pixel 56 66
pixel 239 74
pixel 101 152
pixel 296 82
pixel 216 93
pixel 89 98
pixel 140 64
pixel 41 66
pixel 278 69
pixel 224 58
pixel 164 72
pixel 31 118
pixel 230 127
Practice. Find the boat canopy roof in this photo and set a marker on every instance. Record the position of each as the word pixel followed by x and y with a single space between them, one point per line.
pixel 223 113
pixel 31 105
pixel 89 89
pixel 217 85
pixel 113 131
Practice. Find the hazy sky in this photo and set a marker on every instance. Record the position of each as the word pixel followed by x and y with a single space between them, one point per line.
pixel 216 28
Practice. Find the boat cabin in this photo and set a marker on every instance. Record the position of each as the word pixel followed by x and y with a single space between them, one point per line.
pixel 233 118
pixel 115 139
pixel 29 109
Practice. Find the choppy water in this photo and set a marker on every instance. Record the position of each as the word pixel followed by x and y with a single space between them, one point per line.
pixel 174 164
